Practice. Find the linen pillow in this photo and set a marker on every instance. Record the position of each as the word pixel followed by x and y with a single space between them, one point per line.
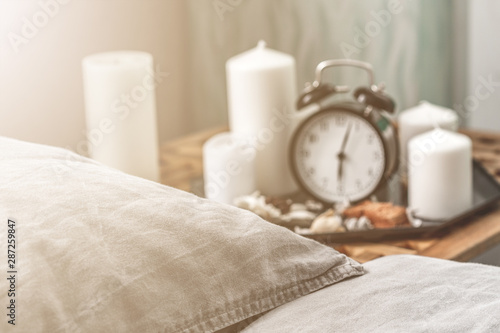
pixel 98 250
pixel 399 293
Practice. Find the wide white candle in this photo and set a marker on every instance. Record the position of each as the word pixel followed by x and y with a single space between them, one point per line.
pixel 419 119
pixel 228 168
pixel 440 174
pixel 261 87
pixel 121 111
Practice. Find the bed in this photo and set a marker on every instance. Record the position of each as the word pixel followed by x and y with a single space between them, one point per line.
pixel 97 250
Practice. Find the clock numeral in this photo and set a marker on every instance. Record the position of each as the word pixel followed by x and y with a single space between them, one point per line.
pixel 305 153
pixel 340 189
pixel 376 156
pixel 340 120
pixel 324 182
pixel 358 183
pixel 311 171
pixel 371 137
pixel 324 126
pixel 357 126
pixel 370 172
pixel 313 138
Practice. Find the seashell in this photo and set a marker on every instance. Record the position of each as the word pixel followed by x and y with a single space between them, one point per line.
pixel 256 203
pixel 282 204
pixel 326 222
pixel 329 212
pixel 245 202
pixel 265 210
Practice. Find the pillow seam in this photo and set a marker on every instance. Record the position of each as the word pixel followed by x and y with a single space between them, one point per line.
pixel 277 298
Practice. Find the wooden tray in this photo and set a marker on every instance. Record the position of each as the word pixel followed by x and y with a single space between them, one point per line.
pixel 486 194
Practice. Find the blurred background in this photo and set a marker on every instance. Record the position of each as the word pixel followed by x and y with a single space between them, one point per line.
pixel 440 51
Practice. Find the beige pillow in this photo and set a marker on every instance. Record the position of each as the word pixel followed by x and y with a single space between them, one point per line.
pixel 101 251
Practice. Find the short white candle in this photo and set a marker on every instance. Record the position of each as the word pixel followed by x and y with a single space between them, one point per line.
pixel 121 111
pixel 228 168
pixel 419 119
pixel 440 174
pixel 261 87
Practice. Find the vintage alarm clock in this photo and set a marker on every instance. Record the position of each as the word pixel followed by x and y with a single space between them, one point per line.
pixel 347 150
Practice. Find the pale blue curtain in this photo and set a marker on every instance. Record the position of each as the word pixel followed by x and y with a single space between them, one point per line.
pixel 411 53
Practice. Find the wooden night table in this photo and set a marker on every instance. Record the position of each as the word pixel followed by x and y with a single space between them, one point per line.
pixel 181 162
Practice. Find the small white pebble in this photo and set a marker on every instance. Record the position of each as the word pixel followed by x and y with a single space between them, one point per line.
pixel 364 223
pixel 313 205
pixel 302 231
pixel 297 206
pixel 355 224
pixel 341 206
pixel 298 215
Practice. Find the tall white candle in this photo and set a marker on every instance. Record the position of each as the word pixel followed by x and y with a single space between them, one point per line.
pixel 440 174
pixel 261 87
pixel 419 119
pixel 121 111
pixel 228 168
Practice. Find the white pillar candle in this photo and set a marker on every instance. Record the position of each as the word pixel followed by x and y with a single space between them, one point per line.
pixel 261 87
pixel 228 168
pixel 419 119
pixel 440 174
pixel 121 111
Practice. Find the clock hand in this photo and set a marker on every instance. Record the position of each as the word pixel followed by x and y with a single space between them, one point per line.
pixel 341 154
pixel 339 174
pixel 346 136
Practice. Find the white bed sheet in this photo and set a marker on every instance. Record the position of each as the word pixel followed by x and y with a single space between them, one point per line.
pixel 397 294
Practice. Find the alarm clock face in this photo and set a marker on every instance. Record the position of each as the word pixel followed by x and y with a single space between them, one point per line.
pixel 337 154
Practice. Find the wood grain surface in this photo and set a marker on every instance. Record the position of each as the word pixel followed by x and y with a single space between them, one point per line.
pixel 181 161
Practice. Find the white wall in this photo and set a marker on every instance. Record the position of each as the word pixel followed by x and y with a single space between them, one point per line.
pixel 41 97
pixel 483 100
pixel 410 50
